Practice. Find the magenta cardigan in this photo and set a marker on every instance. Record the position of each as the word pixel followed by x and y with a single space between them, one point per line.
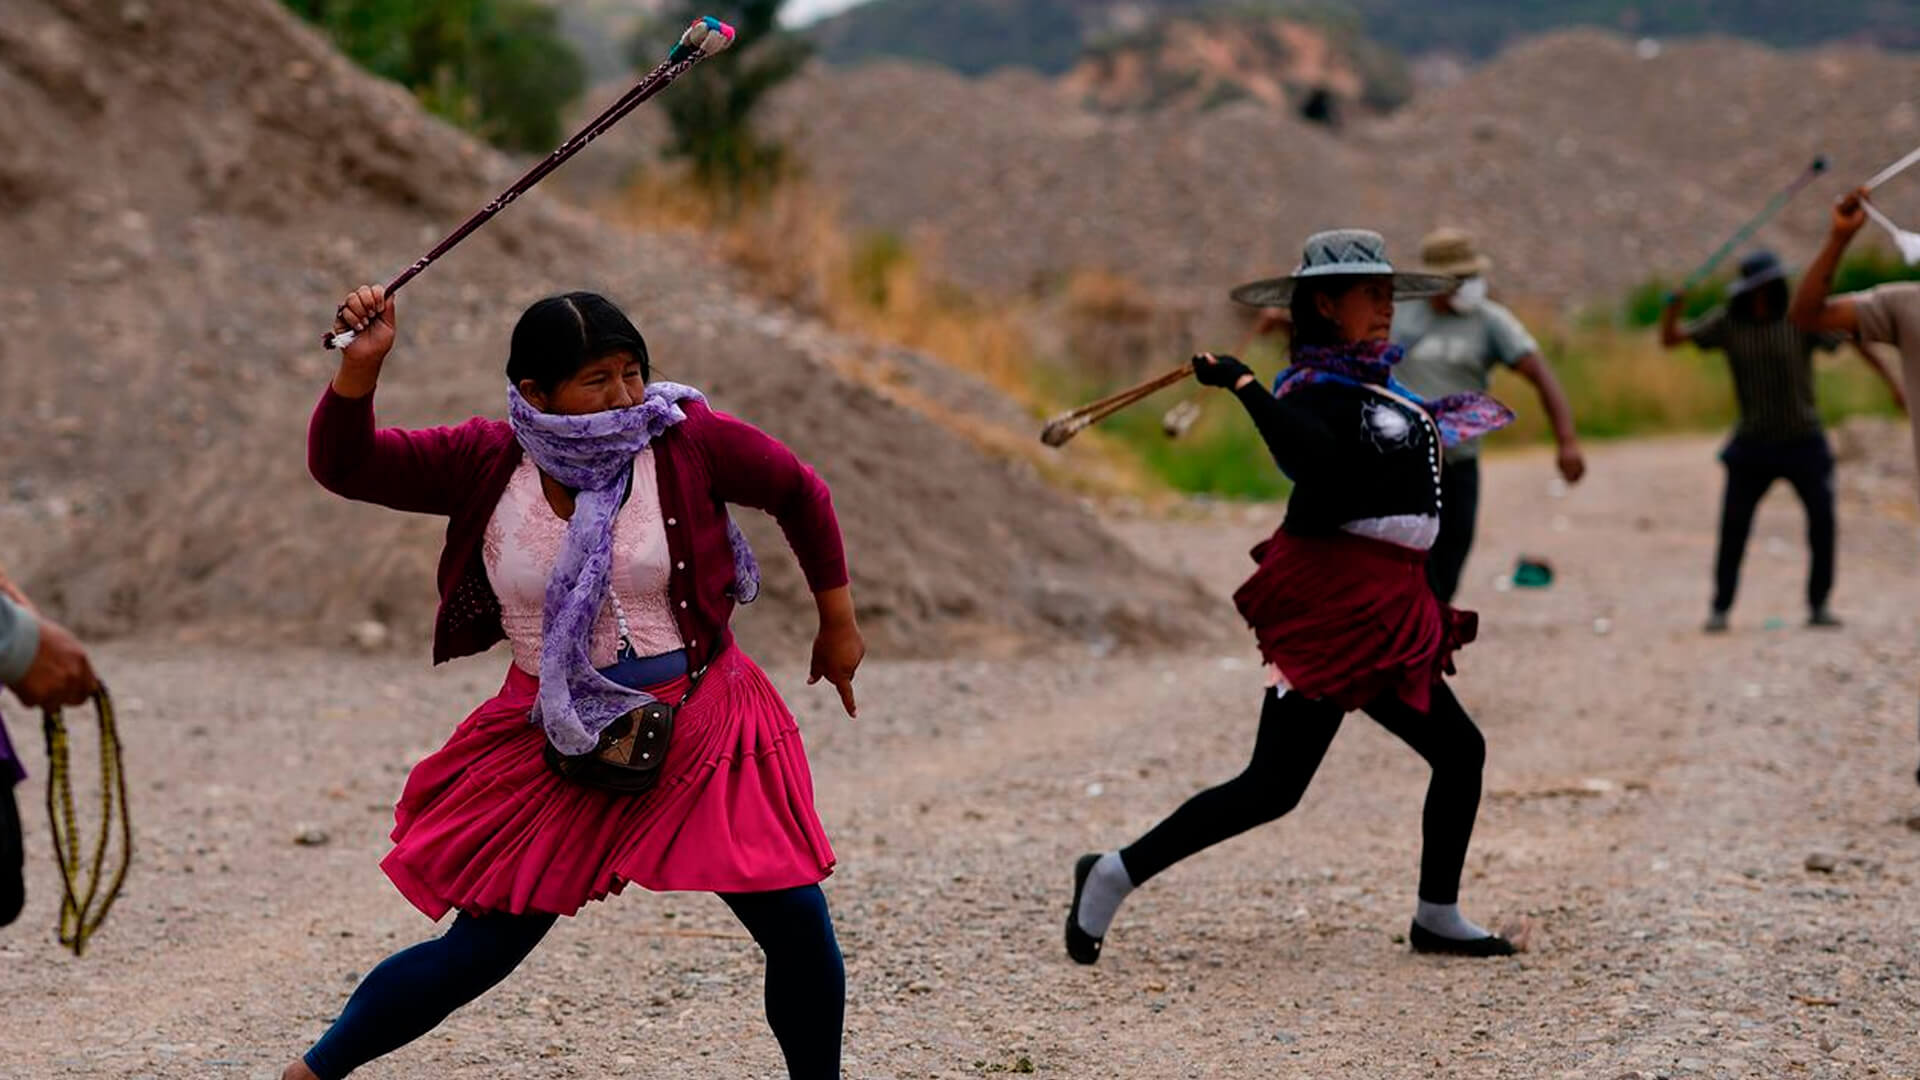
pixel 704 463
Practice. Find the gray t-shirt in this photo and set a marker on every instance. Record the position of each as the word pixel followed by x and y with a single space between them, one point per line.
pixel 1448 353
pixel 1890 315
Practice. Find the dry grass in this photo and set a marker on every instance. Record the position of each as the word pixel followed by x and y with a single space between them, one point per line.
pixel 794 247
pixel 875 287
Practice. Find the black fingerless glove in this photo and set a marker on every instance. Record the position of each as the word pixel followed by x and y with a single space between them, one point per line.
pixel 1223 372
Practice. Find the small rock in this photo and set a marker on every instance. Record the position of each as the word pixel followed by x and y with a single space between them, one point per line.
pixel 371 635
pixel 1822 863
pixel 1095 790
pixel 311 836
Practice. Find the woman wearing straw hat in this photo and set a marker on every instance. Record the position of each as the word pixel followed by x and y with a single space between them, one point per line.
pixel 1778 436
pixel 1452 343
pixel 1340 602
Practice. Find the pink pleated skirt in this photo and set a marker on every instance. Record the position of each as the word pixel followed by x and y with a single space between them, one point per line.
pixel 484 825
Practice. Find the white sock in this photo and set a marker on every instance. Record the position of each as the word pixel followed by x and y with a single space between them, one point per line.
pixel 1107 885
pixel 1446 920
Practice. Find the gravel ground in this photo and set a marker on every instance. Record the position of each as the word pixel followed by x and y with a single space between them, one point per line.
pixel 1656 802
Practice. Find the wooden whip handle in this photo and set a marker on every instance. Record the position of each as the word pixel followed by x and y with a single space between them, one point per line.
pixel 1072 422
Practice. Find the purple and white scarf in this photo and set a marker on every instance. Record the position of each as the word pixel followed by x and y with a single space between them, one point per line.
pixel 1459 417
pixel 593 454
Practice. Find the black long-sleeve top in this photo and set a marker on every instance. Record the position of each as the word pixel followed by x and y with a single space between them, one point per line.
pixel 1353 454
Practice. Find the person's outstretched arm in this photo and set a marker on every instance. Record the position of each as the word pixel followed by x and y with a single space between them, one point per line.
pixel 40 661
pixel 1297 439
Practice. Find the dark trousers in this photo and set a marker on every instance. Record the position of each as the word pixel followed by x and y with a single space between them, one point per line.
pixel 413 990
pixel 13 863
pixel 1459 507
pixel 1752 468
pixel 1295 732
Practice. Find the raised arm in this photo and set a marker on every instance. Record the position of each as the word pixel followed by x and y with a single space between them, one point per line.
pixel 1671 335
pixel 1813 309
pixel 414 471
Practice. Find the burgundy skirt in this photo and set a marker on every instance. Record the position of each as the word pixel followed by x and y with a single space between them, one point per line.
pixel 1348 619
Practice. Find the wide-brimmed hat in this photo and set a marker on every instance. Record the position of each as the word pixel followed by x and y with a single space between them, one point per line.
pixel 1758 268
pixel 1452 251
pixel 1343 253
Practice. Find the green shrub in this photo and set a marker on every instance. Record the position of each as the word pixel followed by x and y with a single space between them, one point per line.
pixel 1861 269
pixel 498 68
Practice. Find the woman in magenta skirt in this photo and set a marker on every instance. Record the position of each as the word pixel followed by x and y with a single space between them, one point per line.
pixel 589 531
pixel 1340 603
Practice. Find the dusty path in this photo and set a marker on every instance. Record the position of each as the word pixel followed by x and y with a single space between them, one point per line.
pixel 1654 797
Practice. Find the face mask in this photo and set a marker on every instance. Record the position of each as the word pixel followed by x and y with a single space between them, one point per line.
pixel 1469 296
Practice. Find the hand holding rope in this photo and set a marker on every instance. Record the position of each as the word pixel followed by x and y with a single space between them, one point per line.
pixel 82 913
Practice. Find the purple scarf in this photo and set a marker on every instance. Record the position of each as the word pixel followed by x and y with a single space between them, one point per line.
pixel 1459 417
pixel 593 454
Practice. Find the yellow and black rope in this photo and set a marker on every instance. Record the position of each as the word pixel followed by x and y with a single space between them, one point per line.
pixel 81 915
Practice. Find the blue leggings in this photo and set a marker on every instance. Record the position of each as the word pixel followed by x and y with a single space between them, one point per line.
pixel 413 990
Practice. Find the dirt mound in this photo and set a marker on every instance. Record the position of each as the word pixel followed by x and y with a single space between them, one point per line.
pixel 184 195
pixel 1213 57
pixel 1584 162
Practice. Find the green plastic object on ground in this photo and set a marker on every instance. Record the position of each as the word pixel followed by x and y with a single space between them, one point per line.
pixel 1532 573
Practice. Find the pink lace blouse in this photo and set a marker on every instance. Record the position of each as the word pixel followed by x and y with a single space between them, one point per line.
pixel 523 539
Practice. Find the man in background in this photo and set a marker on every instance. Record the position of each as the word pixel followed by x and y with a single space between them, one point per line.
pixel 1452 344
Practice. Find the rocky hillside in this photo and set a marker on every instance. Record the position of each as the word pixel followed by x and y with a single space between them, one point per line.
pixel 183 198
pixel 1207 59
pixel 1585 163
pixel 975 36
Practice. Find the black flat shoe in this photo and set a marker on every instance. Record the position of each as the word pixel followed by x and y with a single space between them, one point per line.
pixel 1082 946
pixel 1426 941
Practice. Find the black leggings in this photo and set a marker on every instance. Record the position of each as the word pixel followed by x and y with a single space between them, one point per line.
pixel 413 990
pixel 1295 732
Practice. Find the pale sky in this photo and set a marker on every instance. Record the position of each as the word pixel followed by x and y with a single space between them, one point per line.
pixel 798 12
